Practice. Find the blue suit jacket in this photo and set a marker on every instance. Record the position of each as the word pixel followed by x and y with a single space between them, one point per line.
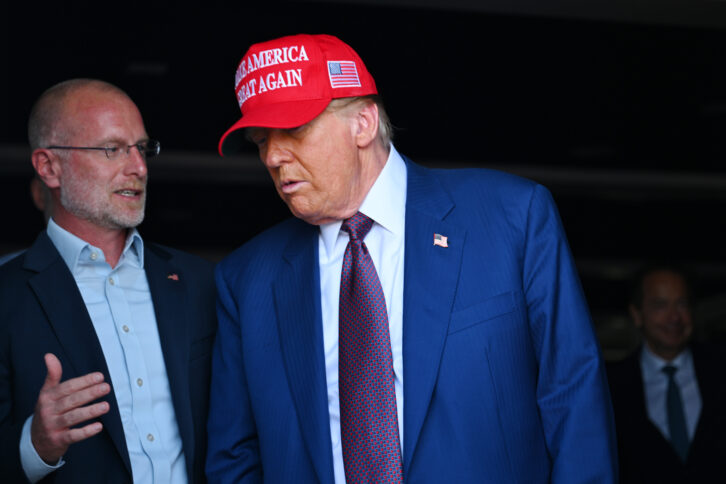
pixel 503 377
pixel 41 311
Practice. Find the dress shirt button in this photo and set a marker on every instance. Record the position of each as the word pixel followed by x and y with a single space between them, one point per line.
pixel 125 328
pixel 111 281
pixel 150 437
pixel 94 255
pixel 139 381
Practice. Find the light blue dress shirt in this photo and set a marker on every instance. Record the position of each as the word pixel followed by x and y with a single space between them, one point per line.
pixel 119 303
pixel 655 385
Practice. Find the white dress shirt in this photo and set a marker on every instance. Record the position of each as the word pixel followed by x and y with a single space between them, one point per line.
pixel 386 205
pixel 655 385
pixel 119 303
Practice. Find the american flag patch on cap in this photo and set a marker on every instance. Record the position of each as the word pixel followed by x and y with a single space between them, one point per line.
pixel 343 74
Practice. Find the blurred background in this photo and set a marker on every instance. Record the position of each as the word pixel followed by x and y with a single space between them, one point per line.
pixel 617 106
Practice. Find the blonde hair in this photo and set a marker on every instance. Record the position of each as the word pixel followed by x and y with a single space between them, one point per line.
pixel 385 128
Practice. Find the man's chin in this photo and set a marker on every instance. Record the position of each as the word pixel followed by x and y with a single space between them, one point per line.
pixel 125 221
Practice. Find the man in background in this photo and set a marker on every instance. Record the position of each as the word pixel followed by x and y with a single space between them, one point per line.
pixel 669 395
pixel 408 324
pixel 105 339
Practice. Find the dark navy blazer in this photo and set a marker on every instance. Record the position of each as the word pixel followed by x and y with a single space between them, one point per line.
pixel 41 311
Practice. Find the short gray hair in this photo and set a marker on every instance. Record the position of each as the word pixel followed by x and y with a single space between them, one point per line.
pixel 45 123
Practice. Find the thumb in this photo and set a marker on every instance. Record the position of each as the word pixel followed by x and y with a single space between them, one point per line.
pixel 55 370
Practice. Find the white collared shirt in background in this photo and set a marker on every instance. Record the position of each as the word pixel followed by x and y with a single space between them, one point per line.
pixel 655 385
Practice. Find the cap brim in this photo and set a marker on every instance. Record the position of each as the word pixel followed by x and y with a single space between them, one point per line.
pixel 282 115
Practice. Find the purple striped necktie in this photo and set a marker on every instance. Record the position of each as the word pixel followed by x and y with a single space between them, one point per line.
pixel 368 417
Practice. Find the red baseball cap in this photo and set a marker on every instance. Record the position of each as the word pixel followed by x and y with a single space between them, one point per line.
pixel 287 82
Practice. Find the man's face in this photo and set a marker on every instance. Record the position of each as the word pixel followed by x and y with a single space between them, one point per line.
pixel 665 314
pixel 108 193
pixel 316 167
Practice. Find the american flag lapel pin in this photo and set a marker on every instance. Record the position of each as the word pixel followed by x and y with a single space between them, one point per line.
pixel 173 276
pixel 441 240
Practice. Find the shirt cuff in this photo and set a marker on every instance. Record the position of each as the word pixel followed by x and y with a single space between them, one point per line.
pixel 34 467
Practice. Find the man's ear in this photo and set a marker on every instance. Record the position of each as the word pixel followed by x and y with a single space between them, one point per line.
pixel 366 125
pixel 636 316
pixel 46 166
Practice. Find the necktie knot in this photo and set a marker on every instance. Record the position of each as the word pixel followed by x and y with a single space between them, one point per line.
pixel 669 370
pixel 357 226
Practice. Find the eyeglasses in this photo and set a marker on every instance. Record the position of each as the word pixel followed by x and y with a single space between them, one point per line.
pixel 147 148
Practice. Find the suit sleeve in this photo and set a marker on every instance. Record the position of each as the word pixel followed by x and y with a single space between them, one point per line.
pixel 10 466
pixel 233 453
pixel 572 392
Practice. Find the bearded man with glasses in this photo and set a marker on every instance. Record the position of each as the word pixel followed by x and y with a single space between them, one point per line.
pixel 105 339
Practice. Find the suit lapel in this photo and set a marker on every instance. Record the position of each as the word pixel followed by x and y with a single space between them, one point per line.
pixel 430 280
pixel 63 304
pixel 297 304
pixel 710 401
pixel 167 285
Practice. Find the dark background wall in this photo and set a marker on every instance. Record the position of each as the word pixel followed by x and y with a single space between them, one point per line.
pixel 618 107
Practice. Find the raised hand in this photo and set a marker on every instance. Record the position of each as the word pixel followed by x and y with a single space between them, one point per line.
pixel 61 406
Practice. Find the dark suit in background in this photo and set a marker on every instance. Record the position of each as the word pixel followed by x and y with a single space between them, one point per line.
pixel 660 307
pixel 646 456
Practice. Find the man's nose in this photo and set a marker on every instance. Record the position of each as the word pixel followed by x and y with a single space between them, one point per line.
pixel 135 162
pixel 274 153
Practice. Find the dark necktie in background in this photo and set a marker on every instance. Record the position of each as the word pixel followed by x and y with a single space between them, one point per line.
pixel 368 416
pixel 676 416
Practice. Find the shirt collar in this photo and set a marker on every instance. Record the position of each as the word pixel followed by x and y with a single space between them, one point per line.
pixel 653 364
pixel 385 203
pixel 74 249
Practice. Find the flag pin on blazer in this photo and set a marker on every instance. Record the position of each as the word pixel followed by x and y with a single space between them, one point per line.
pixel 441 240
pixel 173 276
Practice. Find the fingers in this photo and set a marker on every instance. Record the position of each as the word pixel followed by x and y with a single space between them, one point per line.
pixel 54 370
pixel 66 397
pixel 76 435
pixel 68 387
pixel 70 410
pixel 78 415
pixel 61 406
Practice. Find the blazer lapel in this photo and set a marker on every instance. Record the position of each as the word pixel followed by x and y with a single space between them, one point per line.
pixel 710 401
pixel 62 302
pixel 430 279
pixel 297 304
pixel 167 285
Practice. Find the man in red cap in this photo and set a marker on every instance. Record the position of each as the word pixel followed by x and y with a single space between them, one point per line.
pixel 408 324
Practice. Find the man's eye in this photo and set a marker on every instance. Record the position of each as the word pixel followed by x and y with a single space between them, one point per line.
pixel 112 148
pixel 256 136
pixel 297 130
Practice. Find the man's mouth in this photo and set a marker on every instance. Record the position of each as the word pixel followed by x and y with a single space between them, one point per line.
pixel 289 186
pixel 129 192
